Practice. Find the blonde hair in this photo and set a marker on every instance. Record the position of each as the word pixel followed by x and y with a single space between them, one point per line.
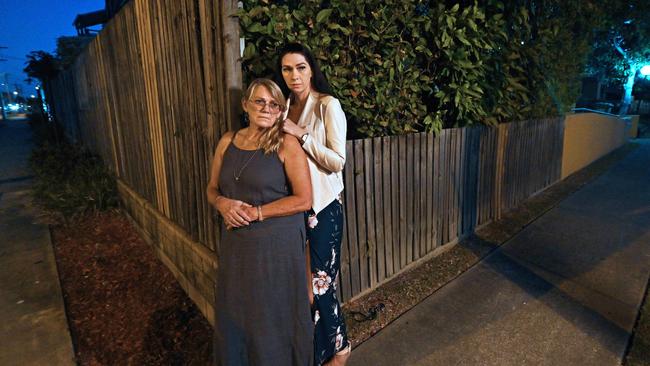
pixel 272 137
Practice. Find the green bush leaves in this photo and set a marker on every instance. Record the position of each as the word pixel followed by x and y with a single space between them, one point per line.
pixel 401 66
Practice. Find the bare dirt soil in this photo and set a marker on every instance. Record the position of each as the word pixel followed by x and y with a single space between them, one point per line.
pixel 124 307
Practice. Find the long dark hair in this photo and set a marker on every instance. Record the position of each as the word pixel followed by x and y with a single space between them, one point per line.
pixel 318 80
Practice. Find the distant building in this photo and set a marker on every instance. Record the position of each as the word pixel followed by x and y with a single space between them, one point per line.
pixel 84 22
pixel 113 6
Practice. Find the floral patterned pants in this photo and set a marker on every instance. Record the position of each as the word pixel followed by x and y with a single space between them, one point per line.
pixel 324 232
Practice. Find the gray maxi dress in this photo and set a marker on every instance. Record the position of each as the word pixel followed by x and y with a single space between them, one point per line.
pixel 262 313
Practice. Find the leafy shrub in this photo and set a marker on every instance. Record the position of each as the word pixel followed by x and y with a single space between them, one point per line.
pixel 68 179
pixel 407 65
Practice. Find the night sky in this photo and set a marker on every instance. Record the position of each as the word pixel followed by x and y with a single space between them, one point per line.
pixel 32 25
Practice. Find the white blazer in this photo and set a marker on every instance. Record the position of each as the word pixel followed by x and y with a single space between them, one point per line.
pixel 324 120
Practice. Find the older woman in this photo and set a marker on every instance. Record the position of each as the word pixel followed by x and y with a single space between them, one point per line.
pixel 260 185
pixel 317 120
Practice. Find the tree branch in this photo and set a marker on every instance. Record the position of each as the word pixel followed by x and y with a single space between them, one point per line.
pixel 617 45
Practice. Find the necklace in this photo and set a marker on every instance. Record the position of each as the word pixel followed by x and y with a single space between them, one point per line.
pixel 238 175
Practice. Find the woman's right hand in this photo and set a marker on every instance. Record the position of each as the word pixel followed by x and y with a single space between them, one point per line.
pixel 233 212
pixel 292 128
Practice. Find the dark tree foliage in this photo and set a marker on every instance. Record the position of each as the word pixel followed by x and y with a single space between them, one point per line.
pixel 41 65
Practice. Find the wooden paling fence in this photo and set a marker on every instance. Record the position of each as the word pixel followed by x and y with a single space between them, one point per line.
pixel 640 107
pixel 151 95
pixel 155 90
pixel 408 195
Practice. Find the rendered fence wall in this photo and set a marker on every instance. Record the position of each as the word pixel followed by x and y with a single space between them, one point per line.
pixel 589 136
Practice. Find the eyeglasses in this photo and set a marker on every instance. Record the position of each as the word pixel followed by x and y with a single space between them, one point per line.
pixel 261 103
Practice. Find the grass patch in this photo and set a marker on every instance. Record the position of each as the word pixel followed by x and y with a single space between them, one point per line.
pixel 69 180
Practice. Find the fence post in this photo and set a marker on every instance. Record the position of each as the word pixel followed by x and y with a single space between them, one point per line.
pixel 232 58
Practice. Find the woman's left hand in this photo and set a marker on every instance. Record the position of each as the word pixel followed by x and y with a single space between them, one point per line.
pixel 293 129
pixel 252 213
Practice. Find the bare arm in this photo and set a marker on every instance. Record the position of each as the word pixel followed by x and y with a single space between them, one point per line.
pixel 295 164
pixel 232 211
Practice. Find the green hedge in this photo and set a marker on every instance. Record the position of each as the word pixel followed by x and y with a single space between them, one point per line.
pixel 401 66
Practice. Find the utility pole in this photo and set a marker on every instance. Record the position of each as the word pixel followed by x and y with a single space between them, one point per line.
pixel 2 99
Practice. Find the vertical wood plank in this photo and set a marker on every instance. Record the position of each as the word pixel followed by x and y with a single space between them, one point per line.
pixel 190 121
pixel 473 180
pixel 462 197
pixel 435 222
pixel 403 230
pixel 151 93
pixel 488 175
pixel 379 199
pixel 415 193
pixel 466 193
pixel 387 204
pixel 508 166
pixel 462 180
pixel 231 60
pixel 429 195
pixel 525 177
pixel 360 192
pixel 482 175
pixel 422 188
pixel 453 197
pixel 445 162
pixel 351 220
pixel 498 180
pixel 370 211
pixel 344 272
pixel 410 174
pixel 395 202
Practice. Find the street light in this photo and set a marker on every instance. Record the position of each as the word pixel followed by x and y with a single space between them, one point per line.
pixel 645 70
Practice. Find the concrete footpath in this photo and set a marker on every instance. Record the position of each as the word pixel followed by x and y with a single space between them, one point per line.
pixel 33 325
pixel 565 290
